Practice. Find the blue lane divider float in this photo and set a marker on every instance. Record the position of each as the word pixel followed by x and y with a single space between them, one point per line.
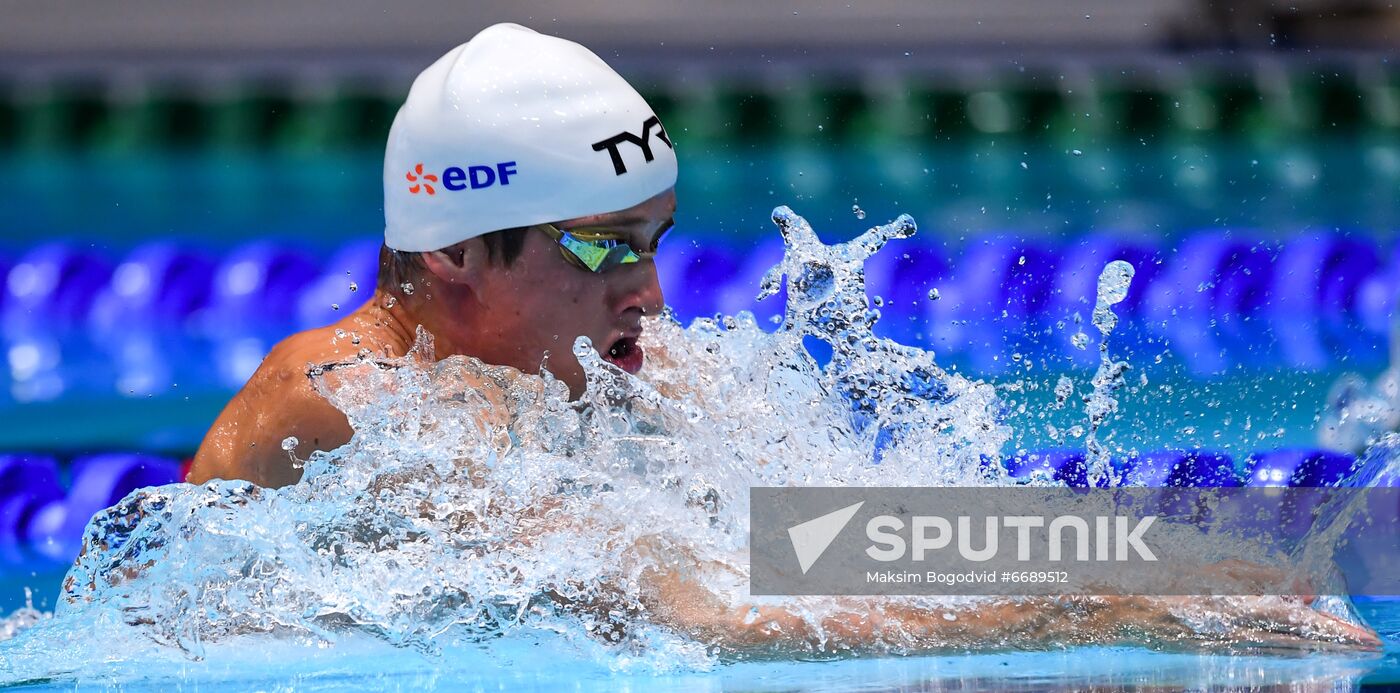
pixel 1081 262
pixel 347 280
pixel 157 285
pixel 1213 279
pixel 1215 297
pixel 1300 467
pixel 53 283
pixel 739 290
pixel 1184 468
pixel 1001 276
pixel 1065 465
pixel 254 303
pixel 1376 296
pixel 903 277
pixel 56 529
pixel 1316 279
pixel 1296 467
pixel 257 288
pixel 691 276
pixel 6 263
pixel 1076 284
pixel 27 483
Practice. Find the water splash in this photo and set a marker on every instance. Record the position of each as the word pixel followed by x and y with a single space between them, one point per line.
pixel 475 500
pixel 1101 403
pixel 1358 413
pixel 22 619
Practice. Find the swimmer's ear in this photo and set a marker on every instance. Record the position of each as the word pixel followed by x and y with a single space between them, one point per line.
pixel 457 264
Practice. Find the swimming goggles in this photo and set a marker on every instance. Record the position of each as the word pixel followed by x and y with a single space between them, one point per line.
pixel 598 250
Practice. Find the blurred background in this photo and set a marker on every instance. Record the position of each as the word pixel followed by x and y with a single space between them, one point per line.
pixel 185 183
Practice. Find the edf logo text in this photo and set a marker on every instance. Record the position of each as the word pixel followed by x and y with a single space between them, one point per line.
pixel 456 178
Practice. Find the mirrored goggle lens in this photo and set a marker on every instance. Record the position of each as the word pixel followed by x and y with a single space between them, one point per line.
pixel 599 255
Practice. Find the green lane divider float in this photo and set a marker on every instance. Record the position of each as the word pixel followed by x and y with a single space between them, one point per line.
pixel 1265 101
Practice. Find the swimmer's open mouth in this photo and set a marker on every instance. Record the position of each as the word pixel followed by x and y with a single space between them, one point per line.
pixel 626 354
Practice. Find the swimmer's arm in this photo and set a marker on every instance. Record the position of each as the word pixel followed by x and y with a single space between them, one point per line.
pixel 849 625
pixel 680 598
pixel 245 442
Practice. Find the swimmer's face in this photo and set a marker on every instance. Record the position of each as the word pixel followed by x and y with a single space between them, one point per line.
pixel 541 303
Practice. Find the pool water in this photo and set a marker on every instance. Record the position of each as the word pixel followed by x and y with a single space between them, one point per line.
pixel 541 663
pixel 828 303
pixel 1237 395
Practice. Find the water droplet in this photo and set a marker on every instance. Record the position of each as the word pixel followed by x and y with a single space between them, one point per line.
pixel 354 286
pixel 290 443
pixel 1114 281
pixel 390 301
pixel 1113 288
pixel 1063 389
pixel 335 306
pixel 407 288
pixel 1024 165
pixel 1021 260
pixel 339 333
pixel 860 213
pixel 751 616
pixel 933 295
pixel 1080 340
pixel 1076 152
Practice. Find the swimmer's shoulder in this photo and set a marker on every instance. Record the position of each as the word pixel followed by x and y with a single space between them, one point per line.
pixel 365 331
pixel 284 379
pixel 280 401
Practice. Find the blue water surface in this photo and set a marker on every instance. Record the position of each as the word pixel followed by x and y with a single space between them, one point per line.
pixel 518 663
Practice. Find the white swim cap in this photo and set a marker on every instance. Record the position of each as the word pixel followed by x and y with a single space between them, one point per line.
pixel 514 128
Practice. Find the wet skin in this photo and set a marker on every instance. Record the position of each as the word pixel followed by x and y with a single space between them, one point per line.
pixel 525 316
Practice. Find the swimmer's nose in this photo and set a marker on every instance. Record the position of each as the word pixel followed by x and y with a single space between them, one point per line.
pixel 644 290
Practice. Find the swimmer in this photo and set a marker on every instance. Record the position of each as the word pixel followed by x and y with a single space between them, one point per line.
pixel 527 188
